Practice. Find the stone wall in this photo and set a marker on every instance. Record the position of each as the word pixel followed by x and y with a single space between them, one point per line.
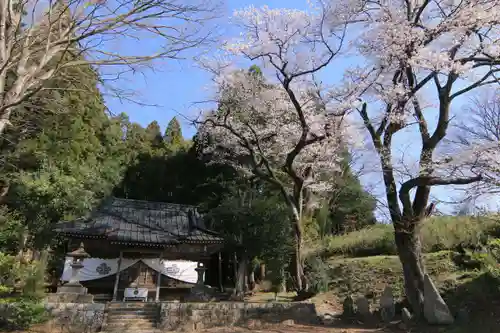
pixel 87 317
pixel 69 316
pixel 193 316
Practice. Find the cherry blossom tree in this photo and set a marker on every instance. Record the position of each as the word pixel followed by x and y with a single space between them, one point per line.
pixel 288 132
pixel 40 38
pixel 421 57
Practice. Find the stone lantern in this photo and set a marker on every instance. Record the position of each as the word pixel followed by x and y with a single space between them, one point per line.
pixel 78 255
pixel 200 292
pixel 74 286
pixel 201 274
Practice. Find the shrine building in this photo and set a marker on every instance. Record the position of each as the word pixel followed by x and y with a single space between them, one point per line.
pixel 138 249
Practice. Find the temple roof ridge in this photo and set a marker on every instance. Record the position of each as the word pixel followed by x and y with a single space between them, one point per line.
pixel 141 221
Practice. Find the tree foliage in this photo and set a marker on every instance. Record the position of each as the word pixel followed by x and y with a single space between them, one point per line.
pixel 255 225
pixel 173 138
pixel 62 153
pixel 350 206
pixel 271 131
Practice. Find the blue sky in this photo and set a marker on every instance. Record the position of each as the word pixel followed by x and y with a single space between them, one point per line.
pixel 178 85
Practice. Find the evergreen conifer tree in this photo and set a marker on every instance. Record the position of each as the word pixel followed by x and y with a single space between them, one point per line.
pixel 173 136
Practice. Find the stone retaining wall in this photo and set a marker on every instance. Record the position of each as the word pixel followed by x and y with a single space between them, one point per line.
pixel 87 316
pixel 69 316
pixel 175 316
pixel 193 316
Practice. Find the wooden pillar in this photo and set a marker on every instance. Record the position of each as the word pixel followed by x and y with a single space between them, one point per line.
pixel 221 287
pixel 235 269
pixel 158 281
pixel 117 278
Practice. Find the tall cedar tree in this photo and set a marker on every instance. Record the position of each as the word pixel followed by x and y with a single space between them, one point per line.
pixel 173 135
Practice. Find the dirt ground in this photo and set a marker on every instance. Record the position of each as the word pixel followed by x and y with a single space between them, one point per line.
pixel 340 328
pixel 262 329
pixel 336 327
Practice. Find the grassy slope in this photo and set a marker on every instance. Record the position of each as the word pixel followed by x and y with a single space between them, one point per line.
pixel 472 290
pixel 369 276
pixel 437 233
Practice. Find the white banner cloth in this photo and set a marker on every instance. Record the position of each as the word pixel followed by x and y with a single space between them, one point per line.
pixel 96 268
pixel 179 269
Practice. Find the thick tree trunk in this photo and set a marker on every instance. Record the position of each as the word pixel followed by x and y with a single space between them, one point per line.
pixel 251 278
pixel 235 270
pixel 240 286
pixel 410 254
pixel 262 275
pixel 298 265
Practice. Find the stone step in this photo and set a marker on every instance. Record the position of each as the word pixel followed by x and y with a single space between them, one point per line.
pixel 145 324
pixel 131 330
pixel 132 315
pixel 154 330
pixel 128 319
pixel 131 322
pixel 132 311
pixel 149 308
pixel 131 304
pixel 130 325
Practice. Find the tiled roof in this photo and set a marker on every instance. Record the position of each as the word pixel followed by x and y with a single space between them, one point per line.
pixel 145 222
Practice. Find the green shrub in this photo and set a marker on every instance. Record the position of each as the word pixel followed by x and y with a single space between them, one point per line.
pixel 29 277
pixel 447 232
pixel 9 271
pixel 493 247
pixel 34 280
pixel 317 274
pixel 8 300
pixel 5 290
pixel 493 265
pixel 11 226
pixel 471 260
pixel 22 314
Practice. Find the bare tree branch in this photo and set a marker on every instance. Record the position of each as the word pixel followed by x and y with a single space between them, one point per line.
pixel 38 39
